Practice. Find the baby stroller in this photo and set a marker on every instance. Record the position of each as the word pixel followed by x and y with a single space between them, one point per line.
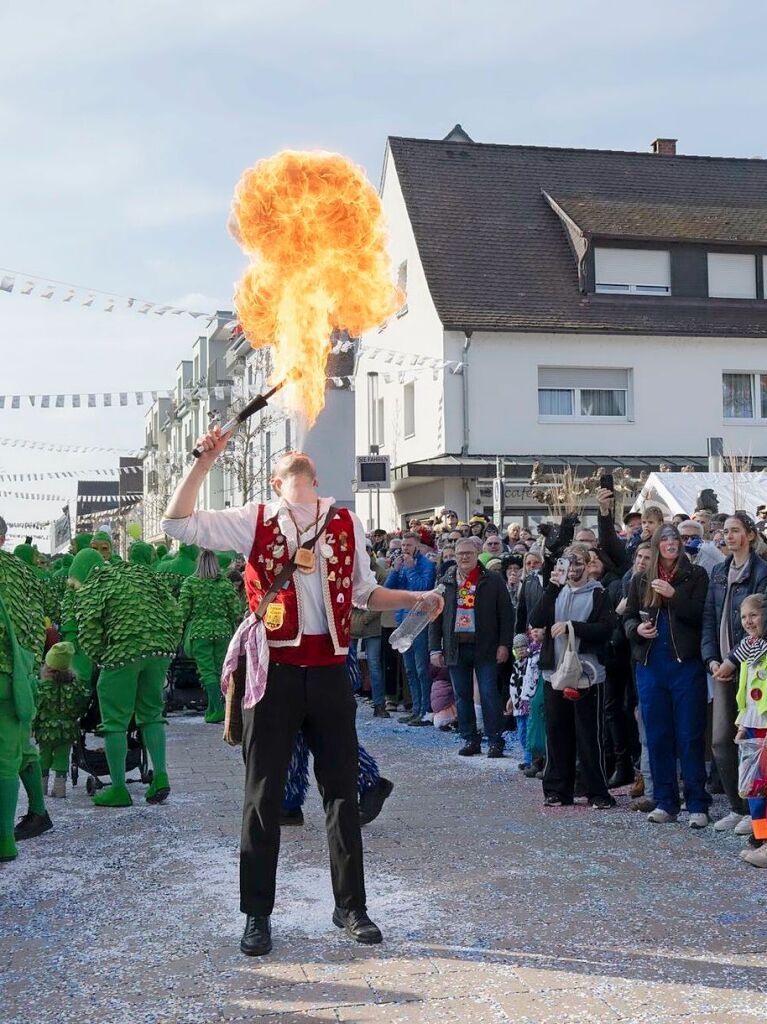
pixel 183 691
pixel 92 760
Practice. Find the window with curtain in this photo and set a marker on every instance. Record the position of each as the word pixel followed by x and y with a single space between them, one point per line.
pixel 555 402
pixel 408 408
pixel 738 396
pixel 578 392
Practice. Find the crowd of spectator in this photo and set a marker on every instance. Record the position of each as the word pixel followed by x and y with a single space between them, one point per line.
pixel 626 656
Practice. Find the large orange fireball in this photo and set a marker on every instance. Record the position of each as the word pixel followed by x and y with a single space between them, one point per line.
pixel 313 226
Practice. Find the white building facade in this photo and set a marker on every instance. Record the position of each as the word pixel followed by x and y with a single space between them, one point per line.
pixel 593 309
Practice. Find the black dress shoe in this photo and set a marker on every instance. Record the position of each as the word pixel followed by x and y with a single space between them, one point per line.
pixel 379 711
pixel 622 776
pixel 257 938
pixel 295 817
pixel 495 749
pixel 32 825
pixel 358 925
pixel 372 800
pixel 470 748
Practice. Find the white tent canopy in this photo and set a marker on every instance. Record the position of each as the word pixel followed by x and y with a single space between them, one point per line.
pixel 678 492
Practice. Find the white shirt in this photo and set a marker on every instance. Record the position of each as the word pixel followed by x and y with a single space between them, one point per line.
pixel 234 529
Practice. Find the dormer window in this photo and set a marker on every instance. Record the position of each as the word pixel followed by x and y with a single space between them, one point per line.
pixel 632 271
pixel 731 275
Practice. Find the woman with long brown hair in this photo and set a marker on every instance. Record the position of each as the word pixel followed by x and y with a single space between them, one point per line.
pixel 663 622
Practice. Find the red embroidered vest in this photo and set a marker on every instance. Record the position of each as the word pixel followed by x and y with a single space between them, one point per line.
pixel 334 552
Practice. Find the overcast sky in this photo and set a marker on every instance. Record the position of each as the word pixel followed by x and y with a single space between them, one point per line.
pixel 124 127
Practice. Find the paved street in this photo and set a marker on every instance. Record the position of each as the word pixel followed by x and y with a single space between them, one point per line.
pixel 493 909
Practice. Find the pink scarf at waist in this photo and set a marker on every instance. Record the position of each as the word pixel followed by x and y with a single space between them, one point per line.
pixel 249 641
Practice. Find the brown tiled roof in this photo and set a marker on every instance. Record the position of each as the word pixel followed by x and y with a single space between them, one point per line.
pixel 669 222
pixel 497 258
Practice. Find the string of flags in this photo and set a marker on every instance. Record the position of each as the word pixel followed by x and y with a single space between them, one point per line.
pixel 97 499
pixel 13 281
pixel 76 449
pixel 117 399
pixel 414 361
pixel 36 524
pixel 65 474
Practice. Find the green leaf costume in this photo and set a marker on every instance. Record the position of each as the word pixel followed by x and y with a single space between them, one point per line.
pixel 61 699
pixel 210 612
pixel 22 594
pixel 128 623
pixel 124 612
pixel 209 608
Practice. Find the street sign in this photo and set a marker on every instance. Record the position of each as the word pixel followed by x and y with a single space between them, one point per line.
pixel 373 473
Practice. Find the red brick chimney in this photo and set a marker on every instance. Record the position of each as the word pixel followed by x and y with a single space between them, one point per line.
pixel 664 147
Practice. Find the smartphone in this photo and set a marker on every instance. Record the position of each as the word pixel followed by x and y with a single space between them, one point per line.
pixel 607 482
pixel 563 564
pixel 648 616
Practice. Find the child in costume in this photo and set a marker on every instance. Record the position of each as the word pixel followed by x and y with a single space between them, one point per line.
pixel 128 624
pixel 750 658
pixel 532 694
pixel 61 699
pixel 516 705
pixel 210 612
pixel 22 602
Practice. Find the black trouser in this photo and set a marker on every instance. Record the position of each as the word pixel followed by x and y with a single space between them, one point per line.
pixel 319 701
pixel 574 727
pixel 621 724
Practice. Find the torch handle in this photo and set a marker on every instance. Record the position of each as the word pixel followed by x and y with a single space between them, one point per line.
pixel 259 402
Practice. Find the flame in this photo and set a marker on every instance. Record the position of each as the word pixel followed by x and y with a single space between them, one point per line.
pixel 314 228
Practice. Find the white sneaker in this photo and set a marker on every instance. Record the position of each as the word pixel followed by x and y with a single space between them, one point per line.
pixel 757 858
pixel 660 817
pixel 428 717
pixel 728 823
pixel 744 826
pixel 698 820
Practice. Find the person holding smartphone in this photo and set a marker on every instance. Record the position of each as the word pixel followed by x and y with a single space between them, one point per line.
pixel 663 622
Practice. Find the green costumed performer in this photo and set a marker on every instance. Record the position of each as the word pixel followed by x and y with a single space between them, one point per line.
pixel 128 624
pixel 61 699
pixel 176 569
pixel 81 567
pixel 28 554
pixel 102 542
pixel 79 542
pixel 22 604
pixel 210 611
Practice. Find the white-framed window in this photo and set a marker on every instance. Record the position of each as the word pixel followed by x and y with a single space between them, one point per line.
pixel 744 396
pixel 408 408
pixel 375 412
pixel 731 275
pixel 402 285
pixel 635 271
pixel 583 393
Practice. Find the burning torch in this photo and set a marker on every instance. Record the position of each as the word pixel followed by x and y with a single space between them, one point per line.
pixel 257 403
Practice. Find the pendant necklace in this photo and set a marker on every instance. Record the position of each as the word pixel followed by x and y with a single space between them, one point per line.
pixel 304 557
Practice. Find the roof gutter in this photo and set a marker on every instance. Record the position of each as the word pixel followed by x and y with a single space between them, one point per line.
pixel 465 391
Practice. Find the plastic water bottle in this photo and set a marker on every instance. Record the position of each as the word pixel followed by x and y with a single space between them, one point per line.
pixel 415 622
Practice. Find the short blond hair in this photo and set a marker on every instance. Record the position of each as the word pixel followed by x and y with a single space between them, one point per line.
pixel 294 464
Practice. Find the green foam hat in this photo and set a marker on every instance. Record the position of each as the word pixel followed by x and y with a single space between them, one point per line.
pixel 83 564
pixel 59 656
